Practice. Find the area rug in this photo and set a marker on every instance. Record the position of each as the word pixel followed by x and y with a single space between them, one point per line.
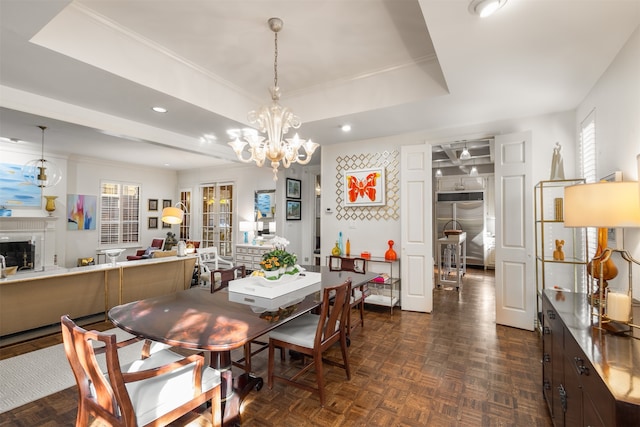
pixel 37 374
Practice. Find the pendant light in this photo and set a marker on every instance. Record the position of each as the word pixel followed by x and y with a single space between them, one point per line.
pixel 465 155
pixel 41 172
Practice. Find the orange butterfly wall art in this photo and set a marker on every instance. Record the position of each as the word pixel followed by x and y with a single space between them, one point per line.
pixel 364 187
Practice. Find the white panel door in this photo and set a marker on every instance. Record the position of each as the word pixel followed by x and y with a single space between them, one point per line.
pixel 515 288
pixel 416 231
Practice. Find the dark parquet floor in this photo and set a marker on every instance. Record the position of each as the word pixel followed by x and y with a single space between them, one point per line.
pixel 454 367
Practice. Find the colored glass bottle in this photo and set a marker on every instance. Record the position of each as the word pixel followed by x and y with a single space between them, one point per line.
pixel 336 250
pixel 347 250
pixel 390 254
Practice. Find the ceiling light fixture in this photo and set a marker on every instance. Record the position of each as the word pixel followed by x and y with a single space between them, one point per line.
pixel 484 8
pixel 465 155
pixel 275 121
pixel 473 171
pixel 159 109
pixel 438 173
pixel 346 128
pixel 35 171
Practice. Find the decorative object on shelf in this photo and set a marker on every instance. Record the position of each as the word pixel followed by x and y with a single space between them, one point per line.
pixel 340 242
pixel 605 205
pixel 336 250
pixel 294 188
pixel 365 255
pixel 275 121
pixel 390 254
pixel 5 212
pixel 278 261
pixel 364 187
pixel 41 172
pixel 558 254
pixel 50 206
pixel 173 214
pixel 557 167
pixel 558 209
pixel 347 250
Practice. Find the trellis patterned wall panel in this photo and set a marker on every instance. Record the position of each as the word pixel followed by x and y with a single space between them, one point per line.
pixel 389 160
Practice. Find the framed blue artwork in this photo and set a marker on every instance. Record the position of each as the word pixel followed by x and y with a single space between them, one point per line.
pixel 14 191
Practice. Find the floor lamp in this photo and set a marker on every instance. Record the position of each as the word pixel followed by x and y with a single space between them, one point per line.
pixel 606 205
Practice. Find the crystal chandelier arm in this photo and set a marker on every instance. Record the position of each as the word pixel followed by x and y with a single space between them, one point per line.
pixel 238 147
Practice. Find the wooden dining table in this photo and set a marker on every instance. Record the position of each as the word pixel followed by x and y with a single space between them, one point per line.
pixel 215 322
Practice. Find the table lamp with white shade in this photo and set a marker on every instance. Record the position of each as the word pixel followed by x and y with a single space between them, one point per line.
pixel 605 205
pixel 246 227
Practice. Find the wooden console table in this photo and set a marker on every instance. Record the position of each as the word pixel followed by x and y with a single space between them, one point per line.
pixel 589 376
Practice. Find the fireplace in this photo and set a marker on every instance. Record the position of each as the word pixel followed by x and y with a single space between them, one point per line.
pixel 21 254
pixel 28 242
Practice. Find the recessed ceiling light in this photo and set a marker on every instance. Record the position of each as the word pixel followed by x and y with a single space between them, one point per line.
pixel 159 109
pixel 11 140
pixel 346 128
pixel 484 8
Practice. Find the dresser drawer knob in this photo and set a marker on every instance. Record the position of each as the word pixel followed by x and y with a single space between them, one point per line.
pixel 551 314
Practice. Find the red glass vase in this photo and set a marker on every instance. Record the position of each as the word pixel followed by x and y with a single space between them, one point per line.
pixel 390 254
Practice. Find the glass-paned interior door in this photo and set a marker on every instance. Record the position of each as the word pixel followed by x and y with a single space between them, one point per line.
pixel 217 217
pixel 185 225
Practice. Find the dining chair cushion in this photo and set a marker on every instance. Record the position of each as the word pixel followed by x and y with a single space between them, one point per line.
pixel 299 331
pixel 159 395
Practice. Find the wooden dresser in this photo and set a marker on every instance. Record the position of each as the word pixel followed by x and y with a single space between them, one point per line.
pixel 589 377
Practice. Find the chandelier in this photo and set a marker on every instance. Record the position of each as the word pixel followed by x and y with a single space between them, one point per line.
pixel 275 121
pixel 41 172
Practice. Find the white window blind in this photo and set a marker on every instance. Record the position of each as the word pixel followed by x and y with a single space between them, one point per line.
pixel 588 163
pixel 119 213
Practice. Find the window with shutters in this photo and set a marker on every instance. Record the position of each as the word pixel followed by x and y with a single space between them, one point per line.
pixel 588 166
pixel 119 213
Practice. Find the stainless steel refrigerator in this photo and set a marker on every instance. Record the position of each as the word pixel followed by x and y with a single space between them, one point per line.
pixel 465 209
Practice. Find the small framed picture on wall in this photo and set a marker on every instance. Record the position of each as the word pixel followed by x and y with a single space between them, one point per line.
pixel 293 188
pixel 153 204
pixel 165 225
pixel 294 209
pixel 166 203
pixel 152 222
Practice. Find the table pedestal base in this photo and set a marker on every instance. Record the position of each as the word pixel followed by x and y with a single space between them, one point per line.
pixel 232 394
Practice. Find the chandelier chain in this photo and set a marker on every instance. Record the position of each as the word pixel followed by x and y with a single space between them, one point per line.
pixel 275 61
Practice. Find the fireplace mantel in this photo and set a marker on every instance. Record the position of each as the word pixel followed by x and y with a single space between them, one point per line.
pixel 27 223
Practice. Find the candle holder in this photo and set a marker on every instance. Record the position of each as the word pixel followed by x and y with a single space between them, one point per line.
pixel 615 309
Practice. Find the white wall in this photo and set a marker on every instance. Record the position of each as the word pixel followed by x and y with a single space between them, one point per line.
pixel 83 176
pixel 373 235
pixel 616 101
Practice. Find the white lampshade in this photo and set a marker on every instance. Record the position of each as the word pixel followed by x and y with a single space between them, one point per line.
pixel 172 215
pixel 602 205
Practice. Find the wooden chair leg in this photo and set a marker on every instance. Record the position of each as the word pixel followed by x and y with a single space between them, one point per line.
pixel 317 359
